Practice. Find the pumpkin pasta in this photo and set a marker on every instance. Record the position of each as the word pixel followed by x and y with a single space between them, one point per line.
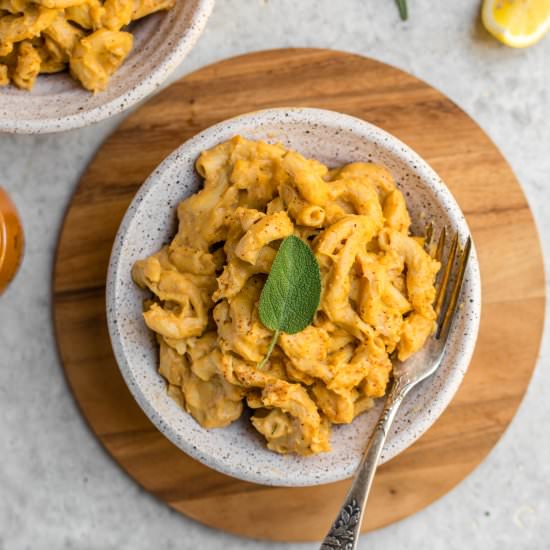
pixel 377 293
pixel 88 37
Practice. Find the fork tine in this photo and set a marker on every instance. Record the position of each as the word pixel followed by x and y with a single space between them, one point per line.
pixel 448 314
pixel 440 245
pixel 429 235
pixel 444 282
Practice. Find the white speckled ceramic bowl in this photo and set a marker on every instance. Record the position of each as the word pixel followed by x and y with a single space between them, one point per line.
pixel 237 450
pixel 58 103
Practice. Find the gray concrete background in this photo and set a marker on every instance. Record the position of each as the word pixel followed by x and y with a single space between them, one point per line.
pixel 59 489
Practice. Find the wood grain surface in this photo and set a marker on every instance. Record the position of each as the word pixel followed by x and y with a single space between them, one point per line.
pixel 478 176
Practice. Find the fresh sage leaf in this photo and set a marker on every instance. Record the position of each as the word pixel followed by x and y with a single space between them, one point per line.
pixel 292 292
pixel 402 6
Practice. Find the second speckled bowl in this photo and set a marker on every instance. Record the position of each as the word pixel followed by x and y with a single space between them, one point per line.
pixel 334 139
pixel 58 103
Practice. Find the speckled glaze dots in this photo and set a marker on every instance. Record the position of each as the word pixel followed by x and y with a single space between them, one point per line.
pixel 334 139
pixel 58 103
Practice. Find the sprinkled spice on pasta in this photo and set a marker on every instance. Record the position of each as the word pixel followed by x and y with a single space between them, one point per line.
pixel 377 293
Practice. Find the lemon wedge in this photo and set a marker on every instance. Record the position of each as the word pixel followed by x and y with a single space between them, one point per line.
pixel 516 23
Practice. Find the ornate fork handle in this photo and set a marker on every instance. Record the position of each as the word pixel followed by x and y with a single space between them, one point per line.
pixel 345 530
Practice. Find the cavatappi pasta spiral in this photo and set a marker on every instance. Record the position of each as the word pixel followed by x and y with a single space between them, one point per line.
pixel 377 293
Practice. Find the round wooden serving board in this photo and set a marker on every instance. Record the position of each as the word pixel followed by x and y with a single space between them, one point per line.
pixel 481 181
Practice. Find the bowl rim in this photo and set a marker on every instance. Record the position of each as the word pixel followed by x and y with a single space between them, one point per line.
pixel 125 100
pixel 438 406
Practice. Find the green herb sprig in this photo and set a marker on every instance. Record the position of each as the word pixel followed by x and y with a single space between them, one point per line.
pixel 402 7
pixel 292 292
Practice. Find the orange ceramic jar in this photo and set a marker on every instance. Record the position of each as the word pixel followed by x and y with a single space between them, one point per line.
pixel 11 240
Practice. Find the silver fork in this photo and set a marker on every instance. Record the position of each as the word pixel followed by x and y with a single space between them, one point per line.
pixel 346 528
